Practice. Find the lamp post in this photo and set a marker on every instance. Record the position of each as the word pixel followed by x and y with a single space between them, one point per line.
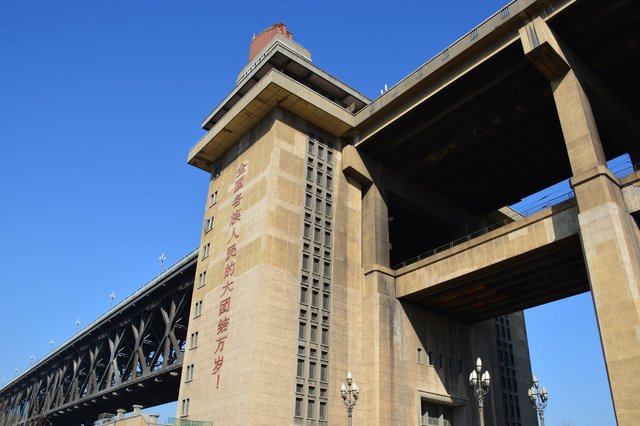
pixel 162 258
pixel 480 385
pixel 111 297
pixel 538 398
pixel 350 394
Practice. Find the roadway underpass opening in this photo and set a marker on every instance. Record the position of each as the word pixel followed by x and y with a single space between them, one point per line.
pixel 413 230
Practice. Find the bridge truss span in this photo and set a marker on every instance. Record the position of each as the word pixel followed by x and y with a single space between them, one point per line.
pixel 109 365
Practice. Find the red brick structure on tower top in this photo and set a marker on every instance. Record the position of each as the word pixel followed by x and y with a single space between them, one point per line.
pixel 262 39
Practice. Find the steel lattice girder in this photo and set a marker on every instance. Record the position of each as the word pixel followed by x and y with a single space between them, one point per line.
pixel 138 346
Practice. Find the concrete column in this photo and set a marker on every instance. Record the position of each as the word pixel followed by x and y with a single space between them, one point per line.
pixel 610 238
pixel 375 228
pixel 375 214
pixel 387 400
pixel 375 314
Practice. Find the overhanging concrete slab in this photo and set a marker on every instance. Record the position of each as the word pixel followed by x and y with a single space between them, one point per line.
pixel 274 89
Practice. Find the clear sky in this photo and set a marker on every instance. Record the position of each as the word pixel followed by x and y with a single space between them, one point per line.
pixel 100 102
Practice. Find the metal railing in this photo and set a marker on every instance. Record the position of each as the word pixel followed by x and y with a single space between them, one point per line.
pixel 544 203
pixel 454 243
pixel 620 171
pixel 541 205
pixel 625 169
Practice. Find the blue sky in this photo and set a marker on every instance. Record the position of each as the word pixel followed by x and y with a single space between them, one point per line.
pixel 100 102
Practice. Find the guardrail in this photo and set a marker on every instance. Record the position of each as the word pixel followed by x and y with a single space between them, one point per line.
pixel 454 243
pixel 620 171
pixel 548 202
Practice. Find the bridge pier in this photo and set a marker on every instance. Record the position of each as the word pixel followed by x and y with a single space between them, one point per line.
pixel 609 236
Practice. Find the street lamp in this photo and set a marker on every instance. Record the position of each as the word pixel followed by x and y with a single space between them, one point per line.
pixel 77 323
pixel 538 398
pixel 112 296
pixel 350 394
pixel 162 258
pixel 480 385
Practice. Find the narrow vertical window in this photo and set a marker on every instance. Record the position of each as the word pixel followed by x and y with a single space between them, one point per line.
pixel 312 371
pixel 301 330
pixel 324 373
pixel 300 369
pixel 311 409
pixel 197 311
pixel 194 340
pixel 325 301
pixel 298 412
pixel 322 416
pixel 205 250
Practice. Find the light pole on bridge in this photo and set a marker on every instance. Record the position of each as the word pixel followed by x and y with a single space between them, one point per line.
pixel 538 398
pixel 350 394
pixel 480 385
pixel 162 258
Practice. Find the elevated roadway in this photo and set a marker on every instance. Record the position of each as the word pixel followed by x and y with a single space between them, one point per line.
pixel 131 355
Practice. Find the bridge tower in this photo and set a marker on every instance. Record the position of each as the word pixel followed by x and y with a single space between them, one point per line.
pixel 293 285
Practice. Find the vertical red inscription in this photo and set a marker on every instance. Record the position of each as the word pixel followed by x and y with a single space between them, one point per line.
pixel 224 310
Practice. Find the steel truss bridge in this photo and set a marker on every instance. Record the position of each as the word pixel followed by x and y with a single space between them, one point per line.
pixel 132 353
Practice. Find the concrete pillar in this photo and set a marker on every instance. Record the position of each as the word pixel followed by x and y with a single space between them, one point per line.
pixel 386 398
pixel 153 419
pixel 371 303
pixel 375 228
pixel 610 238
pixel 137 410
pixel 375 214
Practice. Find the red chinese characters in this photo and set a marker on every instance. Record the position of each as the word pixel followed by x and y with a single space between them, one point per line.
pixel 224 310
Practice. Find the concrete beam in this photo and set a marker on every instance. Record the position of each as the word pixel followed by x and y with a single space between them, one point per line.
pixel 371 170
pixel 534 232
pixel 554 59
pixel 353 165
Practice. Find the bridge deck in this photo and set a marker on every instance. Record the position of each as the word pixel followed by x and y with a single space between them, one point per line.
pixel 523 264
